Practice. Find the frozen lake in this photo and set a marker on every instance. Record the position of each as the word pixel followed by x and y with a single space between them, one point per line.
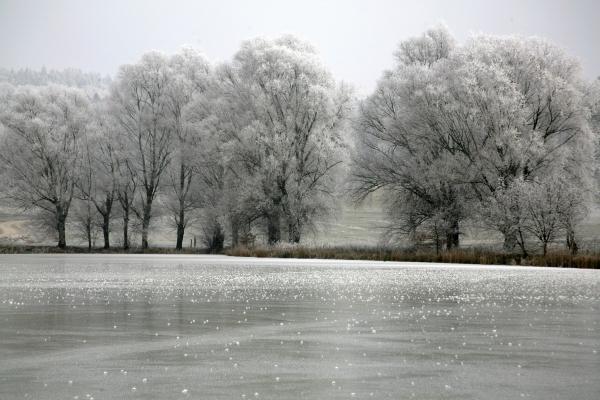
pixel 215 327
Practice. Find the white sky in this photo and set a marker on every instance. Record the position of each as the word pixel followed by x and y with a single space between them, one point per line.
pixel 356 38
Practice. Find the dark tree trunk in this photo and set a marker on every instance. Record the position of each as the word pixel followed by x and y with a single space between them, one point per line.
pixel 510 240
pixel 181 217
pixel 126 207
pixel 273 227
pixel 294 232
pixel 126 229
pixel 106 230
pixel 522 244
pixel 106 212
pixel 88 229
pixel 571 242
pixel 235 232
pixel 452 236
pixel 146 225
pixel 180 232
pixel 545 248
pixel 216 238
pixel 146 216
pixel 61 217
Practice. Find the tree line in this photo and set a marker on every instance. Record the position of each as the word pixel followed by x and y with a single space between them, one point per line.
pixel 500 131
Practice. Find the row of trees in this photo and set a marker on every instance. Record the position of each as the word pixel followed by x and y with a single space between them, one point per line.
pixel 498 132
pixel 68 77
pixel 253 141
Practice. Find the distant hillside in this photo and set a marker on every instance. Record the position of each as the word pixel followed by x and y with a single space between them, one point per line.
pixel 68 77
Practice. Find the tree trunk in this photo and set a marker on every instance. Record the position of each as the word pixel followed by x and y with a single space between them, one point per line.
pixel 294 232
pixel 61 218
pixel 571 242
pixel 510 240
pixel 273 227
pixel 522 244
pixel 235 231
pixel 106 230
pixel 452 236
pixel 545 248
pixel 146 224
pixel 216 239
pixel 181 221
pixel 180 233
pixel 88 229
pixel 126 229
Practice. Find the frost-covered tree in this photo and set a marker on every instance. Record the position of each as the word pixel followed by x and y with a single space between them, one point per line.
pixel 397 149
pixel 106 184
pixel 83 205
pixel 97 182
pixel 223 189
pixel 126 188
pixel 594 101
pixel 435 44
pixel 549 208
pixel 214 199
pixel 505 211
pixel 140 105
pixel 545 129
pixel 189 78
pixel 481 117
pixel 285 129
pixel 41 149
pixel 594 96
pixel 68 77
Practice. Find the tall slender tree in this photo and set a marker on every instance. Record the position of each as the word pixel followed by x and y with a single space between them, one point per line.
pixel 190 78
pixel 139 103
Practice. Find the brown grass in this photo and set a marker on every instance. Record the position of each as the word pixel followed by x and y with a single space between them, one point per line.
pixel 460 256
pixel 564 259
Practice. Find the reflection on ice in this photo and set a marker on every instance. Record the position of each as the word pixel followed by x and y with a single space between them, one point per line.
pixel 122 327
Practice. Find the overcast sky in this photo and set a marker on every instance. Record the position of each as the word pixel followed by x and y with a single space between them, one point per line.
pixel 356 38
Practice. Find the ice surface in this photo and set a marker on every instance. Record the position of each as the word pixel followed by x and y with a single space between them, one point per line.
pixel 214 327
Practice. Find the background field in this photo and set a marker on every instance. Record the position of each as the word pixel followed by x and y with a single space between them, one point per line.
pixel 351 225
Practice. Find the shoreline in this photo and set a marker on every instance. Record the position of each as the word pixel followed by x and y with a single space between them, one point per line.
pixel 474 256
